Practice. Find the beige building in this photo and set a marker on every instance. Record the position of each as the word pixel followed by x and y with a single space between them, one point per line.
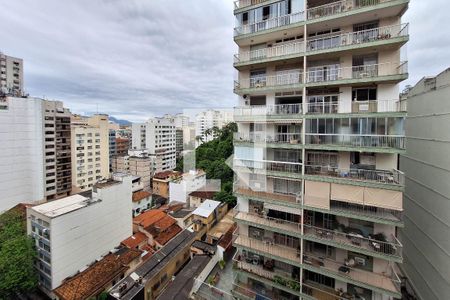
pixel 137 163
pixel 90 150
pixel 11 75
pixel 320 130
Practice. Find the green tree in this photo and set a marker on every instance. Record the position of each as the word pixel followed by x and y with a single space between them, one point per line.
pixel 17 254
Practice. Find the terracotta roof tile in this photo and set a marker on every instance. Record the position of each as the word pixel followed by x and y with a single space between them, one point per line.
pixel 94 279
pixel 139 195
pixel 149 217
pixel 203 194
pixel 134 240
pixel 166 174
pixel 167 235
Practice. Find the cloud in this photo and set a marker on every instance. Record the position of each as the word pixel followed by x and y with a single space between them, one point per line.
pixel 135 58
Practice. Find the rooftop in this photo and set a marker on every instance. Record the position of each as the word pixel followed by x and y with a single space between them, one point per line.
pixel 63 206
pixel 139 195
pixel 182 213
pixel 149 217
pixel 94 279
pixel 206 208
pixel 165 174
pixel 180 288
pixel 205 247
pixel 168 234
pixel 223 226
pixel 107 183
pixel 203 194
pixel 134 240
pixel 131 286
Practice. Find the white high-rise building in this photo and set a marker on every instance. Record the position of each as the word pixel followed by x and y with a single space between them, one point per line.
pixel 72 232
pixel 35 147
pixel 11 74
pixel 209 119
pixel 158 137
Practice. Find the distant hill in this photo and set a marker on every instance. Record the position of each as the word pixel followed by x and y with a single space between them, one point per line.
pixel 119 121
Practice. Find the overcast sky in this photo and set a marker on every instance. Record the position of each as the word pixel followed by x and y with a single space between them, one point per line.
pixel 138 58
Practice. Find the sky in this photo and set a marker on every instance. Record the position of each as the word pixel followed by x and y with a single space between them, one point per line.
pixel 134 59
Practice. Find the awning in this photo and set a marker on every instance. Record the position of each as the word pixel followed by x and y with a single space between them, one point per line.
pixel 347 193
pixel 317 194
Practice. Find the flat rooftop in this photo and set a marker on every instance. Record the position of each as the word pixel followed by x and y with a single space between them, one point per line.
pixel 63 206
pixel 206 208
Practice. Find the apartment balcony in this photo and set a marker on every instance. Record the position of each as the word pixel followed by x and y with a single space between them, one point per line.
pixel 239 4
pixel 279 112
pixel 286 81
pixel 269 54
pixel 360 142
pixel 268 167
pixel 362 212
pixel 344 8
pixel 387 283
pixel 269 249
pixel 268 223
pixel 384 249
pixel 273 198
pixel 357 176
pixel 269 25
pixel 279 140
pixel 335 75
pixel 361 107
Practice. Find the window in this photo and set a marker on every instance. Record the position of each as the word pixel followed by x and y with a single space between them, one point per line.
pixel 364 94
pixel 266 12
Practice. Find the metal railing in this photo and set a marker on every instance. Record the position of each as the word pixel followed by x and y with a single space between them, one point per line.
pixel 268 110
pixel 347 269
pixel 271 52
pixel 289 78
pixel 270 23
pixel 281 138
pixel 247 191
pixel 390 248
pixel 357 37
pixel 364 210
pixel 323 107
pixel 395 177
pixel 356 140
pixel 339 7
pixel 334 72
pixel 244 3
pixel 268 221
pixel 369 106
pixel 269 165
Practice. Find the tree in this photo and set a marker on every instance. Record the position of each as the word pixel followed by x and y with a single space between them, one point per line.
pixel 17 254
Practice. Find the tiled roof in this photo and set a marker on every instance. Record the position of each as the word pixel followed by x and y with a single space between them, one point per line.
pixel 203 194
pixel 149 217
pixel 94 279
pixel 134 240
pixel 160 225
pixel 165 174
pixel 168 234
pixel 139 195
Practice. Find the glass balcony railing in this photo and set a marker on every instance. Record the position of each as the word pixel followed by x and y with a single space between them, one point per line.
pixel 370 106
pixel 268 165
pixel 245 190
pixel 285 79
pixel 339 7
pixel 279 138
pixel 394 177
pixel 357 140
pixel 272 23
pixel 334 72
pixel 268 222
pixel 358 37
pixel 268 110
pixel 374 244
pixel 270 52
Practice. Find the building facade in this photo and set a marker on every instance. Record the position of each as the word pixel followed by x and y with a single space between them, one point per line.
pixel 137 163
pixel 158 136
pixel 205 121
pixel 320 130
pixel 90 151
pixel 427 168
pixel 62 250
pixel 11 74
pixel 112 146
pixel 122 146
pixel 35 143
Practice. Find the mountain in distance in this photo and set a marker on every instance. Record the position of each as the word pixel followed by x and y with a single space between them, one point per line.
pixel 119 121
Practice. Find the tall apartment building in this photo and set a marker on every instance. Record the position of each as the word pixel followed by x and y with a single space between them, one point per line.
pixel 137 163
pixel 426 197
pixel 112 146
pixel 35 147
pixel 316 154
pixel 11 74
pixel 158 137
pixel 90 151
pixel 122 146
pixel 73 232
pixel 209 119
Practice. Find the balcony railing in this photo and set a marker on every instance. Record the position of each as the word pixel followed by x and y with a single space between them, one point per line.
pixel 283 198
pixel 369 106
pixel 395 177
pixel 364 210
pixel 270 52
pixel 389 248
pixel 389 281
pixel 356 140
pixel 270 23
pixel 336 8
pixel 268 165
pixel 268 110
pixel 335 73
pixel 357 37
pixel 268 221
pixel 291 78
pixel 279 138
pixel 244 3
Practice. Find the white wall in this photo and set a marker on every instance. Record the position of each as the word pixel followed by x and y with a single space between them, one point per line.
pixel 21 148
